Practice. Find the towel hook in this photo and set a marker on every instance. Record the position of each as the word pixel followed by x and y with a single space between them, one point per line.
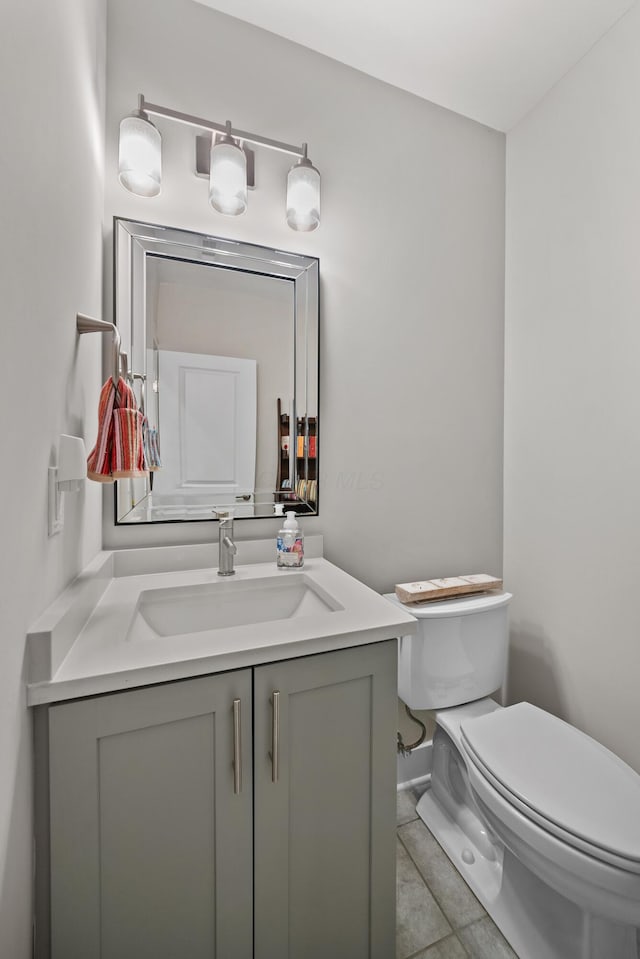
pixel 143 379
pixel 87 324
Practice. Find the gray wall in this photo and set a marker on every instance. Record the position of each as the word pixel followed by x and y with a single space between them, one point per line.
pixel 572 456
pixel 51 168
pixel 411 254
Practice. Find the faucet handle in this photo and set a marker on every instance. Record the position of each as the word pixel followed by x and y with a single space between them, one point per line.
pixel 231 546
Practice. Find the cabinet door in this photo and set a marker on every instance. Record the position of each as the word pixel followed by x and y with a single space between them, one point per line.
pixel 151 847
pixel 325 828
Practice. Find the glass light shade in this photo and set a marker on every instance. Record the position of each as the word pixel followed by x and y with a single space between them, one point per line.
pixel 303 197
pixel 140 156
pixel 228 178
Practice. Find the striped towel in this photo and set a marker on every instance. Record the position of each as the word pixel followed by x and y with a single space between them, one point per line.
pixel 127 448
pixel 99 459
pixel 119 449
pixel 152 459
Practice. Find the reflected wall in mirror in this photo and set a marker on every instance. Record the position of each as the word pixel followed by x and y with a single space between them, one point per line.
pixel 222 340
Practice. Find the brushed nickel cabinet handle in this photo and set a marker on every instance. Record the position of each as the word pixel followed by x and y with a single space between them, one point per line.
pixel 237 748
pixel 275 737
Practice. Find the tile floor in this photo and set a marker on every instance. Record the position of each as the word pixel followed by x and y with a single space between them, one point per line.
pixel 438 917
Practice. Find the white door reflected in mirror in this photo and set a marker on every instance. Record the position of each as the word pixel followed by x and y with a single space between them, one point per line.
pixel 207 420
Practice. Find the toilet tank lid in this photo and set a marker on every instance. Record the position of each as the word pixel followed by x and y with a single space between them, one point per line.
pixel 561 774
pixel 459 606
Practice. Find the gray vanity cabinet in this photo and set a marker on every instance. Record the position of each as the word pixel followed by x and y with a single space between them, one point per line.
pixel 155 854
pixel 151 848
pixel 325 828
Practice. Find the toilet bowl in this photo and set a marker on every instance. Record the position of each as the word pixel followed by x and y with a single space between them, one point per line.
pixel 542 821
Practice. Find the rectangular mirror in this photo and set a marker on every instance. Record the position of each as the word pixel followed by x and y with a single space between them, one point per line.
pixel 222 346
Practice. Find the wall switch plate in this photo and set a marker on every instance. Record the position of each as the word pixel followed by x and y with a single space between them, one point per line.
pixel 66 477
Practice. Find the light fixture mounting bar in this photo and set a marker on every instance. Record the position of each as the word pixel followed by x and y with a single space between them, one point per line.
pixel 159 111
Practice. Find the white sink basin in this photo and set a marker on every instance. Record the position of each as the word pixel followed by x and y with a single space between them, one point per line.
pixel 139 617
pixel 178 610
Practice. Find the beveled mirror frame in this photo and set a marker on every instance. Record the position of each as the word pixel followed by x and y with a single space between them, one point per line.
pixel 134 241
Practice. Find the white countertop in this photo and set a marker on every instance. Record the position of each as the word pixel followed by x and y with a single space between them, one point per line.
pixel 84 644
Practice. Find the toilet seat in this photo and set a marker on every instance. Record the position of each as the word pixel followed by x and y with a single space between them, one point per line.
pixel 565 782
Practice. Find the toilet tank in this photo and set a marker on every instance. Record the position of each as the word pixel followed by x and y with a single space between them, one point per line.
pixel 459 652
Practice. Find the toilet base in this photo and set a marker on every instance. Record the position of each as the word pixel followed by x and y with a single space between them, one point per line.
pixel 538 922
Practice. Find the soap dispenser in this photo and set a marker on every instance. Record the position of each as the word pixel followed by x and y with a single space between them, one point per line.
pixel 290 544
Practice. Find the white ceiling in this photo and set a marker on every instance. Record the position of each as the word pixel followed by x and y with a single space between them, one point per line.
pixel 491 60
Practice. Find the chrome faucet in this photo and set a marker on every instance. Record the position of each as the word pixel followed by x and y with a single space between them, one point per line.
pixel 228 548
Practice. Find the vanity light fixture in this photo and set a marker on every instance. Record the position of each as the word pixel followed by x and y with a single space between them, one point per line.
pixel 229 164
pixel 228 175
pixel 303 194
pixel 140 154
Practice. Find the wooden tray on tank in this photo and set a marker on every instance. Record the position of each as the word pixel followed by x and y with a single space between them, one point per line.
pixel 431 589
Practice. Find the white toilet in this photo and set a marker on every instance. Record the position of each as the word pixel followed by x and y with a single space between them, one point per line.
pixel 542 821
